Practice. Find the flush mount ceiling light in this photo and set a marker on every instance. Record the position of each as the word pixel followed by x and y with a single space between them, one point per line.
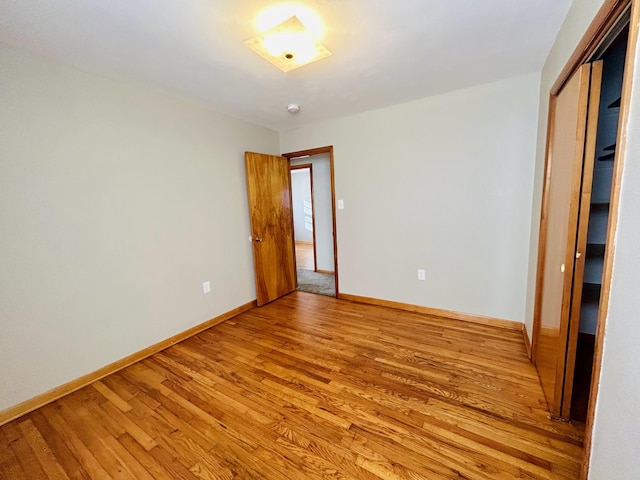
pixel 288 45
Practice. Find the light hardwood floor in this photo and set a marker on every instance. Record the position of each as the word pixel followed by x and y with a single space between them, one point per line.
pixel 308 387
pixel 304 256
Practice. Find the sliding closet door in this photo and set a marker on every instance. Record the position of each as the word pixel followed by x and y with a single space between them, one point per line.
pixel 581 241
pixel 558 232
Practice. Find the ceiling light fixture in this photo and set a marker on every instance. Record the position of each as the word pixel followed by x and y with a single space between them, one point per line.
pixel 288 45
pixel 278 13
pixel 293 108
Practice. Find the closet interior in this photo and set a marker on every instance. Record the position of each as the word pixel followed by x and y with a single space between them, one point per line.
pixel 613 58
pixel 584 117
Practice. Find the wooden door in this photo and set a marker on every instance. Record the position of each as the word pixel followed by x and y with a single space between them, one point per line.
pixel 581 240
pixel 270 210
pixel 558 233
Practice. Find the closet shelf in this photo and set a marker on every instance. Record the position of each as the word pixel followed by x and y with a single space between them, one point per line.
pixel 611 149
pixel 591 292
pixel 588 318
pixel 595 249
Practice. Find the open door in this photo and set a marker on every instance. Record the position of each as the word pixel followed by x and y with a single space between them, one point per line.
pixel 270 210
pixel 569 142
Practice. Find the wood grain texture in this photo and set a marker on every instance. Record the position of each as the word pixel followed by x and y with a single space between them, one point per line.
pixel 581 240
pixel 308 387
pixel 69 387
pixel 621 142
pixel 271 214
pixel 309 152
pixel 606 18
pixel 436 312
pixel 304 256
pixel 542 234
pixel 561 217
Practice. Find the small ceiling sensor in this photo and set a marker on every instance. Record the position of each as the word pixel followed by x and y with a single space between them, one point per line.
pixel 293 108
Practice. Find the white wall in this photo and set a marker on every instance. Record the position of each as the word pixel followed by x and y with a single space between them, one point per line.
pixel 116 202
pixel 323 209
pixel 442 183
pixel 301 193
pixel 616 437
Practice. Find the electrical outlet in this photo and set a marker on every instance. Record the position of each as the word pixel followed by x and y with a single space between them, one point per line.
pixel 421 274
pixel 206 287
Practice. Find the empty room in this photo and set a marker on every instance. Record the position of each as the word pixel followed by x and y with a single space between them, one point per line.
pixel 355 239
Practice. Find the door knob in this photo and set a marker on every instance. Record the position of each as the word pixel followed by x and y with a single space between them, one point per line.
pixel 258 239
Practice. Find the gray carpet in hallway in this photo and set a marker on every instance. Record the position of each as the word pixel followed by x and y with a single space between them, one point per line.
pixel 313 282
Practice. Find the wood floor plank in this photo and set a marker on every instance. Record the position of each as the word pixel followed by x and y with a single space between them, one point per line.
pixel 130 427
pixel 304 256
pixel 59 447
pixel 112 396
pixel 89 463
pixel 42 452
pixel 116 460
pixel 22 451
pixel 9 464
pixel 308 387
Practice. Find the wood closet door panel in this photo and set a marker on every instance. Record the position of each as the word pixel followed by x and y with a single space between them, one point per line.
pixel 581 241
pixel 559 230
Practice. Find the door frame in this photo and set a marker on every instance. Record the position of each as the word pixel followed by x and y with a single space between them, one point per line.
pixel 313 210
pixel 583 138
pixel 605 19
pixel 316 151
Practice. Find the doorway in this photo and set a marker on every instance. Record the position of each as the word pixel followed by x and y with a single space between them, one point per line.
pixel 313 202
pixel 271 218
pixel 612 55
pixel 575 226
pixel 304 231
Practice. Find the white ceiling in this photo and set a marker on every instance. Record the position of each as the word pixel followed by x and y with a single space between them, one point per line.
pixel 384 51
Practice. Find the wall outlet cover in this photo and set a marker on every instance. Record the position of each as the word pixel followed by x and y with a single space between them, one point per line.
pixel 206 287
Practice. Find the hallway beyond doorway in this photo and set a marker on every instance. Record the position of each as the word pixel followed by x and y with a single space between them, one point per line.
pixel 310 280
